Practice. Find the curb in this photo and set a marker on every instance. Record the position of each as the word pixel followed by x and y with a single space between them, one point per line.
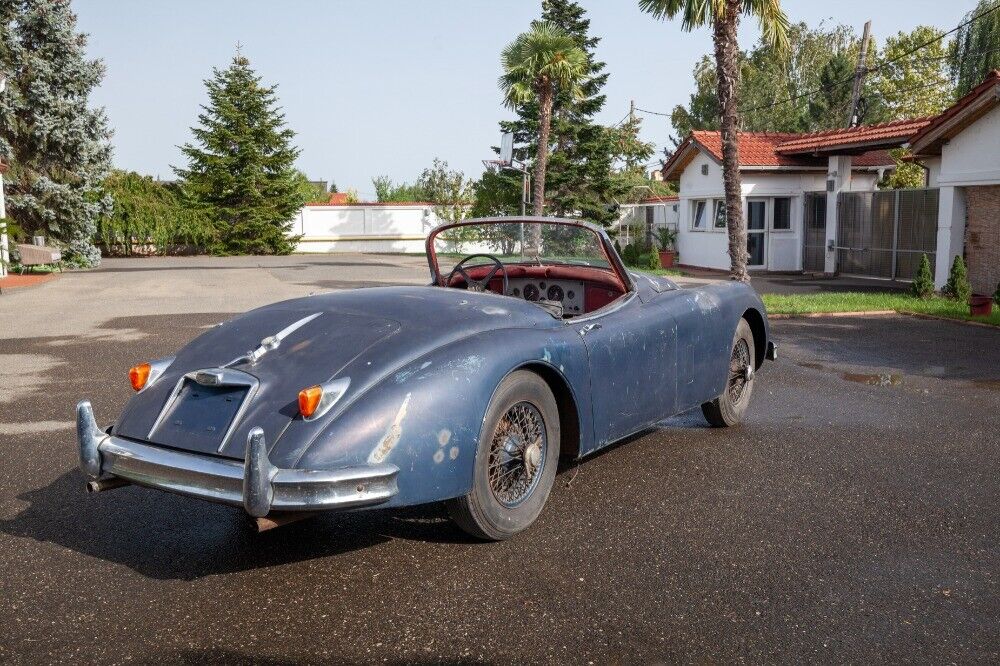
pixel 813 315
pixel 922 315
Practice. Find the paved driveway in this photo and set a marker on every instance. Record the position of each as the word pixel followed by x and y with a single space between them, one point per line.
pixel 853 518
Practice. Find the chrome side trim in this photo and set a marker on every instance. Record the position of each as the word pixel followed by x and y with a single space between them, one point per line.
pixel 255 484
pixel 213 377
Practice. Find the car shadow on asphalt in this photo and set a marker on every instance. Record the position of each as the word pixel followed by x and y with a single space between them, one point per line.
pixel 164 536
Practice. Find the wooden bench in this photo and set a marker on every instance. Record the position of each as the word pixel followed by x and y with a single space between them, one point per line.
pixel 38 255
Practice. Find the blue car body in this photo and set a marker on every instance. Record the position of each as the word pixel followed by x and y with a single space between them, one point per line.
pixel 422 363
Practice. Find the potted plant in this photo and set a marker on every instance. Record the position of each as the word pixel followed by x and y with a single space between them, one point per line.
pixel 980 306
pixel 667 237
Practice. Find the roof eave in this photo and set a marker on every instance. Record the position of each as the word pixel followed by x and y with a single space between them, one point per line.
pixel 928 142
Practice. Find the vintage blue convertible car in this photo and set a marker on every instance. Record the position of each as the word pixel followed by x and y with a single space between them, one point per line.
pixel 531 342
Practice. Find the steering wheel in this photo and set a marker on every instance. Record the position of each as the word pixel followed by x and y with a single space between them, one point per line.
pixel 479 285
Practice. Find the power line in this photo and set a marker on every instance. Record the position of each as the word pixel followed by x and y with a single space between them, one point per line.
pixel 938 38
pixel 874 68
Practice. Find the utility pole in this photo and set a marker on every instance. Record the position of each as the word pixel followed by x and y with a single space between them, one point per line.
pixel 859 77
pixel 631 111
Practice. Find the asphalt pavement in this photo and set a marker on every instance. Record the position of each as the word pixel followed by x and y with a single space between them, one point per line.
pixel 853 517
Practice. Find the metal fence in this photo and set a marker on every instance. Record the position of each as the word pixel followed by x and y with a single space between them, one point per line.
pixel 814 232
pixel 883 234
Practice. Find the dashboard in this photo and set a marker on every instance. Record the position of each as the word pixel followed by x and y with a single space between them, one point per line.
pixel 568 292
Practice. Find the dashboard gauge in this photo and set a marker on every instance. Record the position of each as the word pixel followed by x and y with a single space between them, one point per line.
pixel 555 293
pixel 571 294
pixel 531 292
pixel 515 292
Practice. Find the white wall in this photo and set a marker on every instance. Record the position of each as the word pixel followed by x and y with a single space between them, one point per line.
pixel 710 248
pixel 364 228
pixel 973 157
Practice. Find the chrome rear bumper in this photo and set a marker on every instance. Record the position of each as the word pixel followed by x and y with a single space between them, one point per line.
pixel 255 484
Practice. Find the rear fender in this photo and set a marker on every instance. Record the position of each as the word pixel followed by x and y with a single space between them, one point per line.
pixel 426 417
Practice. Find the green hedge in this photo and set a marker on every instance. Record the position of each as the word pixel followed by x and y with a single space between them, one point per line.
pixel 150 217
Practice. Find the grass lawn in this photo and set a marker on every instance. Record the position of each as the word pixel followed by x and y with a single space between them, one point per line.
pixel 659 271
pixel 868 301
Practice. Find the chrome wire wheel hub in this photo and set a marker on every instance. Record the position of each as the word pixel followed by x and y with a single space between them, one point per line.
pixel 517 454
pixel 740 370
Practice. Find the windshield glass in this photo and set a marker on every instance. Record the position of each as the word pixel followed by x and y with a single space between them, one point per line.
pixel 541 243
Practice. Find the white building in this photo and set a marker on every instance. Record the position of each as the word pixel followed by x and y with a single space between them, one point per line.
pixel 775 189
pixel 960 149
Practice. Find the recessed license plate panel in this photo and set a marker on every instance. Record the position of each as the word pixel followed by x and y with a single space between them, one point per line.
pixel 199 416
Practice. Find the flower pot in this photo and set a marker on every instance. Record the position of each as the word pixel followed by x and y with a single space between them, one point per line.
pixel 667 258
pixel 980 306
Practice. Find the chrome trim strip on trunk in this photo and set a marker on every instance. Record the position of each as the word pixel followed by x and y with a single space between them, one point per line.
pixel 255 484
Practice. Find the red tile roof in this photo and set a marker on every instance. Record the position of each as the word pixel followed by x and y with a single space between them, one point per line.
pixel 884 135
pixel 761 150
pixel 919 140
pixel 668 198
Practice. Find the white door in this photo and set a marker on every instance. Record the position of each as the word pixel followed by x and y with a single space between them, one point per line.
pixel 756 233
pixel 783 244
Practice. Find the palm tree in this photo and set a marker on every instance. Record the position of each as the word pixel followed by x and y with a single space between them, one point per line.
pixel 535 65
pixel 724 16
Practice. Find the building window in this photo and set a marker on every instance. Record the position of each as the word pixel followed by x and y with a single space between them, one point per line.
pixel 782 214
pixel 720 214
pixel 698 216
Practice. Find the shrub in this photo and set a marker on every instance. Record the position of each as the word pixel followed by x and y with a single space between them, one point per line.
pixel 651 260
pixel 630 255
pixel 958 286
pixel 996 294
pixel 149 217
pixel 923 283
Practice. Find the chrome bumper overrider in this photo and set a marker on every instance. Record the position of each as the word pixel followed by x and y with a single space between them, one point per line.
pixel 254 484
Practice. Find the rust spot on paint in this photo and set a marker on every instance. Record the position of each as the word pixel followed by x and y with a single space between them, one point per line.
pixel 391 437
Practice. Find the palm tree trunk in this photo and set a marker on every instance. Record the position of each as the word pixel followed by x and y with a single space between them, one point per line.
pixel 542 157
pixel 727 68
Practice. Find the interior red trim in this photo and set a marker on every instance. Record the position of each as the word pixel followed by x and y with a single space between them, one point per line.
pixel 589 274
pixel 601 286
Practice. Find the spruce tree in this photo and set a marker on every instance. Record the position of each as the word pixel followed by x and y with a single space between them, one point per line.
pixel 241 172
pixel 958 286
pixel 58 147
pixel 923 282
pixel 579 173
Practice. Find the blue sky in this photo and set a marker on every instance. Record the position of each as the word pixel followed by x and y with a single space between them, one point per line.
pixel 384 87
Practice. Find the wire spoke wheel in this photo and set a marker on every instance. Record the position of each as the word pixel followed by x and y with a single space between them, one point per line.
pixel 739 370
pixel 517 454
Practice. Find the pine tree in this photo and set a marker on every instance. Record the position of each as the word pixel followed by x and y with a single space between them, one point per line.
pixel 958 286
pixel 578 177
pixel 58 146
pixel 241 172
pixel 923 283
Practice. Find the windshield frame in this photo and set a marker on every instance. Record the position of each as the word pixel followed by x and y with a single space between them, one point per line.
pixel 614 261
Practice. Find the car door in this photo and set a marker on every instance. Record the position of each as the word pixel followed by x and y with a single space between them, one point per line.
pixel 631 351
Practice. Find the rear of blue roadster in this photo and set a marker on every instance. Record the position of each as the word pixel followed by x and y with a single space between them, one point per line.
pixel 525 348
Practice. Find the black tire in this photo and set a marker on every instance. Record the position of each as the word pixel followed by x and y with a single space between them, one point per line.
pixel 728 409
pixel 521 397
